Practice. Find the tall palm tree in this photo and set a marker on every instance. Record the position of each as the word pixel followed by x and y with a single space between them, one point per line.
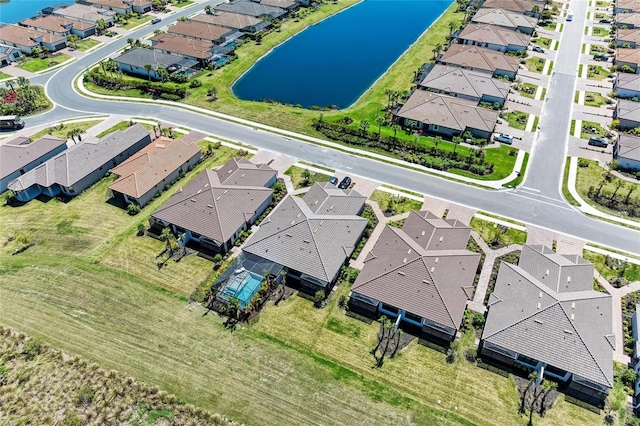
pixel 166 237
pixel 631 189
pixel 379 119
pixel 148 68
pixel 395 127
pixel 533 377
pixel 619 184
pixel 436 50
pixel 436 141
pixel 364 125
pixel 456 142
pixel 453 25
pixel 548 386
pixel 162 73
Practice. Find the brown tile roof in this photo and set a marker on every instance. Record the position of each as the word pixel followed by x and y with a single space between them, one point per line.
pixel 479 58
pixel 453 113
pixel 120 4
pixel 151 165
pixel 521 6
pixel 228 19
pixel 25 37
pixel 217 208
pixel 424 268
pixel 628 4
pixel 628 55
pixel 183 45
pixel 632 35
pixel 283 4
pixel 199 29
pixel 18 152
pixel 55 23
pixel 628 19
pixel 494 34
pixel 504 18
pixel 242 172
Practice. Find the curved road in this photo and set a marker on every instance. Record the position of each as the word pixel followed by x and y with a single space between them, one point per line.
pixel 539 202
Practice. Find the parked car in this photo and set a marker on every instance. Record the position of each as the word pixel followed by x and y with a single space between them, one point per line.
pixel 155 20
pixel 333 180
pixel 11 122
pixel 570 16
pixel 538 49
pixel 346 182
pixel 600 57
pixel 601 142
pixel 504 138
pixel 605 21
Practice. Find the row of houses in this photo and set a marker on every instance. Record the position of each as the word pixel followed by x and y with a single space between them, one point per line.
pixel 471 75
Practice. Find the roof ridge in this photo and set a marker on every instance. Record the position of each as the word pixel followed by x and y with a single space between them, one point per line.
pixel 435 284
pixel 315 244
pixel 534 313
pixel 394 269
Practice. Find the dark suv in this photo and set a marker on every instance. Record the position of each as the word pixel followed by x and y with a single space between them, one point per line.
pixel 345 183
pixel 601 142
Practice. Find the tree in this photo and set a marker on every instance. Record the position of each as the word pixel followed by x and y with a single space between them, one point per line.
pixel 148 68
pixel 166 237
pixel 456 142
pixel 631 189
pixel 379 119
pixel 72 39
pixel 318 299
pixel 395 127
pixel 619 183
pixel 453 25
pixel 535 9
pixel 163 74
pixel 389 94
pixel 533 377
pixel 548 387
pixel 306 177
pixel 141 229
pixel 388 341
pixel 364 125
pixel 71 134
pixel 213 93
pixel 537 391
pixel 208 9
pixel 130 42
pixel 101 25
pixel 437 141
pixel 436 50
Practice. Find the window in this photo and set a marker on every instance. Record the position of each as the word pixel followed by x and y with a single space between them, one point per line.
pixel 389 308
pixel 413 317
pixel 435 127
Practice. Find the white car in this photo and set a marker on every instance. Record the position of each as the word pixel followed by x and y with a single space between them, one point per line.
pixel 504 138
pixel 570 16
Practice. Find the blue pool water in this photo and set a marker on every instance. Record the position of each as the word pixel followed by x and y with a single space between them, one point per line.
pixel 17 10
pixel 243 287
pixel 337 60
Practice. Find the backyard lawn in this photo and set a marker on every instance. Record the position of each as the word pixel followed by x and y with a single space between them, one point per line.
pixel 497 235
pixel 87 43
pixel 517 119
pixel 62 131
pixel 303 178
pixel 392 205
pixel 37 64
pixel 535 64
pixel 599 32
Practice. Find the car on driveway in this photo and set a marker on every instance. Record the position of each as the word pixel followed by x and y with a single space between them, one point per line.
pixel 333 180
pixel 504 138
pixel 600 57
pixel 155 20
pixel 605 21
pixel 596 141
pixel 346 182
pixel 537 49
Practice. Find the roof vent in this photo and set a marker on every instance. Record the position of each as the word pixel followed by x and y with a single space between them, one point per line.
pixel 569 279
pixel 210 206
pixel 315 230
pixel 426 282
pixel 321 222
pixel 573 305
pixel 298 215
pixel 409 251
pixel 540 295
pixel 422 234
pixel 218 197
pixel 436 260
pixel 568 331
pixel 539 321
pixel 539 305
pixel 306 241
pixel 225 191
pixel 404 260
pixel 289 235
pixel 332 206
pixel 433 268
pixel 401 273
pixel 193 199
pixel 293 222
pixel 242 175
pixel 441 238
pixel 573 316
pixel 547 273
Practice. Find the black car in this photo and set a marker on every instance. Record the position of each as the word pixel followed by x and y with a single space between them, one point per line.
pixel 605 21
pixel 601 142
pixel 600 57
pixel 346 182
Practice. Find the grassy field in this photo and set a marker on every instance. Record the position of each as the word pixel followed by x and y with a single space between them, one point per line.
pixel 298 180
pixel 393 205
pixel 37 64
pixel 121 126
pixel 491 232
pixel 87 43
pixel 134 22
pixel 181 4
pixel 535 64
pixel 631 272
pixel 62 131
pixel 517 119
pixel 599 32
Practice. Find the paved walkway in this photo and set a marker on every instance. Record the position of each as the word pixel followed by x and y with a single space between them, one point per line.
pixel 617 294
pixel 373 239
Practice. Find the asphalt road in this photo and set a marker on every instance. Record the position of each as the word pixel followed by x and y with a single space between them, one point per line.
pixel 545 209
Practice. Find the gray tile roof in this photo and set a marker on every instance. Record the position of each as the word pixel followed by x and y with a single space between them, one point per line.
pixel 627 81
pixel 504 18
pixel 413 269
pixel 481 58
pixel 84 12
pixel 216 208
pixel 628 110
pixel 446 111
pixel 242 172
pixel 251 8
pixel 465 82
pixel 18 152
pixel 233 20
pixel 570 330
pixel 139 57
pixel 313 243
pixel 521 6
pixel 327 199
pixel 628 147
pixel 75 163
pixel 494 34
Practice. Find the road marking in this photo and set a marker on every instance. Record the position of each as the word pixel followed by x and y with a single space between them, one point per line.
pixel 530 189
pixel 542 201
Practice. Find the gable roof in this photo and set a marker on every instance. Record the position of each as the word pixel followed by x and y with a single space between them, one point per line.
pixel 569 330
pixel 520 6
pixel 313 243
pixel 151 165
pixel 464 55
pixel 198 29
pixel 628 110
pixel 453 113
pixel 230 20
pixel 628 35
pixel 139 57
pixel 19 152
pixel 75 163
pixel 493 34
pixel 251 8
pixel 628 147
pixel 183 45
pixel 629 55
pixel 215 208
pixel 628 4
pixel 26 37
pixel 466 82
pixel 55 23
pixel 625 80
pixel 628 19
pixel 504 18
pixel 406 269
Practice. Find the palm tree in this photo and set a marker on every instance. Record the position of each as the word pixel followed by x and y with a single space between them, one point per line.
pixel 364 125
pixel 602 183
pixel 130 41
pixel 456 142
pixel 162 73
pixel 208 9
pixel 10 83
pixel 389 94
pixel 395 127
pixel 533 377
pixel 436 50
pixel 631 189
pixel 619 184
pixel 535 9
pixel 306 177
pixel 548 386
pixel 453 25
pixel 72 39
pixel 379 119
pixel 536 394
pixel 166 237
pixel 148 68
pixel 101 25
pixel 436 141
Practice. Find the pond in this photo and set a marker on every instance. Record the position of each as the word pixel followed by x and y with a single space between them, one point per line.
pixel 18 10
pixel 335 61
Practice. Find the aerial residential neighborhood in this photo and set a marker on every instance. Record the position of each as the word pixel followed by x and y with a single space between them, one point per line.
pixel 320 212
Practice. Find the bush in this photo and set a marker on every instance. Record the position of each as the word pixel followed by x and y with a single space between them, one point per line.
pixel 318 299
pixel 170 97
pixel 478 321
pixel 343 301
pixel 85 395
pixel 32 348
pixel 133 209
pixel 195 83
pixel 141 228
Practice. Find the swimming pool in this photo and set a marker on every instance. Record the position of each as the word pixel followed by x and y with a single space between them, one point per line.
pixel 243 286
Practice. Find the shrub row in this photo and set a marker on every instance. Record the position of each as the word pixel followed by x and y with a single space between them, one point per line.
pixel 155 89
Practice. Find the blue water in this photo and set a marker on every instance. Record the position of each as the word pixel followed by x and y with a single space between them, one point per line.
pixel 334 62
pixel 243 290
pixel 18 10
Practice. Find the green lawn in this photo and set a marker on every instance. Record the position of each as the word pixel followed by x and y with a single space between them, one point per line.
pixel 599 32
pixel 134 22
pixel 518 180
pixel 591 128
pixel 121 126
pixel 596 72
pixel 62 131
pixel 544 42
pixel 517 119
pixel 492 233
pixel 298 180
pixel 4 75
pixel 37 64
pixel 594 99
pixel 393 205
pixel 597 48
pixel 182 3
pixel 535 64
pixel 631 272
pixel 87 43
pixel 527 90
pixel 565 185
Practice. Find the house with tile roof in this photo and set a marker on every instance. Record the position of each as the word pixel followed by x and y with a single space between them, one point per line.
pixel 202 31
pixel 627 57
pixel 133 61
pixel 476 86
pixel 628 20
pixel 184 47
pixel 628 113
pixel 215 207
pixel 77 168
pixel 421 275
pixel 26 39
pixel 525 7
pixel 288 5
pixel 82 12
pixel 629 38
pixel 443 115
pixel 19 155
pixel 8 54
pixel 147 172
pixel 252 8
pixel 493 37
pixel 480 59
pixel 60 26
pixel 627 86
pixel 506 19
pixel 121 7
pixel 544 315
pixel 312 236
pixel 626 6
pixel 627 151
pixel 235 21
